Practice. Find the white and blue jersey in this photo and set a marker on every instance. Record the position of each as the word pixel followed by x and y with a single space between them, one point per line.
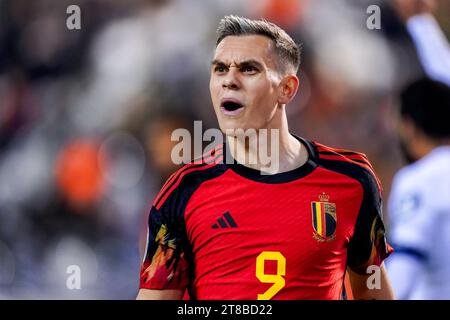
pixel 419 211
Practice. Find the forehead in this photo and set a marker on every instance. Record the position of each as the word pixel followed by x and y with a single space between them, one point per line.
pixel 248 47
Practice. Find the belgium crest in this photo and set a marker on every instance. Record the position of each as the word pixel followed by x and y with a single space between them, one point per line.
pixel 323 218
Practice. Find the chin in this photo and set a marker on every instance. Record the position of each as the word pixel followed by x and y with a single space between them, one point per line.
pixel 232 125
pixel 228 124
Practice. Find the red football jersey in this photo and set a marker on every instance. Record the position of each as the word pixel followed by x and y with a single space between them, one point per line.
pixel 225 231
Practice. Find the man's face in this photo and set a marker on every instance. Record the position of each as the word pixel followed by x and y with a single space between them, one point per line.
pixel 245 83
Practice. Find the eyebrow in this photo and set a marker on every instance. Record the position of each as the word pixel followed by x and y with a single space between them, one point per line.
pixel 250 62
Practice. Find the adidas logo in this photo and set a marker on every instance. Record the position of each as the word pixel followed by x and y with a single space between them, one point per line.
pixel 222 222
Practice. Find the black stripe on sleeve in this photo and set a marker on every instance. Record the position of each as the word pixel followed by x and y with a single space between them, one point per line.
pixel 369 231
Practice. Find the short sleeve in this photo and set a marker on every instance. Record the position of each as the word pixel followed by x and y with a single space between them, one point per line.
pixel 165 264
pixel 368 245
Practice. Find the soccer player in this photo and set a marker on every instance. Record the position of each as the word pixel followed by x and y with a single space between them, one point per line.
pixel 235 231
pixel 419 204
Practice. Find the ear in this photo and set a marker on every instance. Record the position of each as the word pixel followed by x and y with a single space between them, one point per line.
pixel 288 88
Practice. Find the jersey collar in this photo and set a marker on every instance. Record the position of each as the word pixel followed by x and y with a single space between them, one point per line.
pixel 282 177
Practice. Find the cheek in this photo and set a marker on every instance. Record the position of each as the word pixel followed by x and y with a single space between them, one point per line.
pixel 266 95
pixel 213 89
pixel 267 85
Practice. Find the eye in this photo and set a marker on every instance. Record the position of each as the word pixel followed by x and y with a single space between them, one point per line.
pixel 220 69
pixel 249 70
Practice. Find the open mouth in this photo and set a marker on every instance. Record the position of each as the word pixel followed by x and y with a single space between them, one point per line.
pixel 231 107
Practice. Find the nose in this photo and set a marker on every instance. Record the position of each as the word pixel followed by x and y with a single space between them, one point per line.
pixel 230 81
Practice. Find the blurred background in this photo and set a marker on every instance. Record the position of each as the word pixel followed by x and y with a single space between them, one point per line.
pixel 86 117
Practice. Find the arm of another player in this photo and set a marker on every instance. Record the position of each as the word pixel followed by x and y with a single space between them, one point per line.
pixel 362 291
pixel 430 41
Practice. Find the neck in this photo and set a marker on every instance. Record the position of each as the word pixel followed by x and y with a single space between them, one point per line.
pixel 425 146
pixel 273 150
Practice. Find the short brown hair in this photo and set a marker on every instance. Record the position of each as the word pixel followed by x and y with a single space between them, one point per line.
pixel 286 48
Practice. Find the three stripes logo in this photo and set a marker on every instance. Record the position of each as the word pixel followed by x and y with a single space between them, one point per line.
pixel 225 221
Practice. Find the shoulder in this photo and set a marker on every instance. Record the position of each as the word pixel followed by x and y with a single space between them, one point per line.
pixel 404 176
pixel 191 175
pixel 348 162
pixel 430 168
